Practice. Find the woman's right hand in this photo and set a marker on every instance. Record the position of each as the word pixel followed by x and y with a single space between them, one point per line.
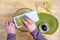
pixel 29 24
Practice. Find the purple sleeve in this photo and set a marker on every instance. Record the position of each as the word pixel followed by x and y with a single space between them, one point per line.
pixel 37 35
pixel 11 36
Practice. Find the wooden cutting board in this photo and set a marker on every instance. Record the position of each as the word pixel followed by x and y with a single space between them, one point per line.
pixel 9 7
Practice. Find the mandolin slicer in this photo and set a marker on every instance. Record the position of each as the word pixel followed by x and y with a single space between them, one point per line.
pixel 18 20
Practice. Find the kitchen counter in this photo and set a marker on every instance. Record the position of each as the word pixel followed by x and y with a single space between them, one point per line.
pixel 9 7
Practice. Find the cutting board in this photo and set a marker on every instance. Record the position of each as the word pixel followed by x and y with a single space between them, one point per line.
pixel 9 7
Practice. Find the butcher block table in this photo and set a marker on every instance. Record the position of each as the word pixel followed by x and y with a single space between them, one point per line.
pixel 9 7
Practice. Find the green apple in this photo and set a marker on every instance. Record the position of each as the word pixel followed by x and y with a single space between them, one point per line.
pixel 20 20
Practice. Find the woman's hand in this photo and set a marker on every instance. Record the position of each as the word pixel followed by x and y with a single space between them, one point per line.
pixel 29 24
pixel 9 27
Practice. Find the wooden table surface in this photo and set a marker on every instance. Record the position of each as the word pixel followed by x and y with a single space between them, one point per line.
pixel 9 7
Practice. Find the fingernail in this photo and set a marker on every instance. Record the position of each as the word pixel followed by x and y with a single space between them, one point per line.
pixel 24 18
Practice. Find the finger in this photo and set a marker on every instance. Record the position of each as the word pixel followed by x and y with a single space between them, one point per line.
pixel 4 24
pixel 12 24
pixel 28 20
pixel 25 22
pixel 8 22
pixel 24 25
